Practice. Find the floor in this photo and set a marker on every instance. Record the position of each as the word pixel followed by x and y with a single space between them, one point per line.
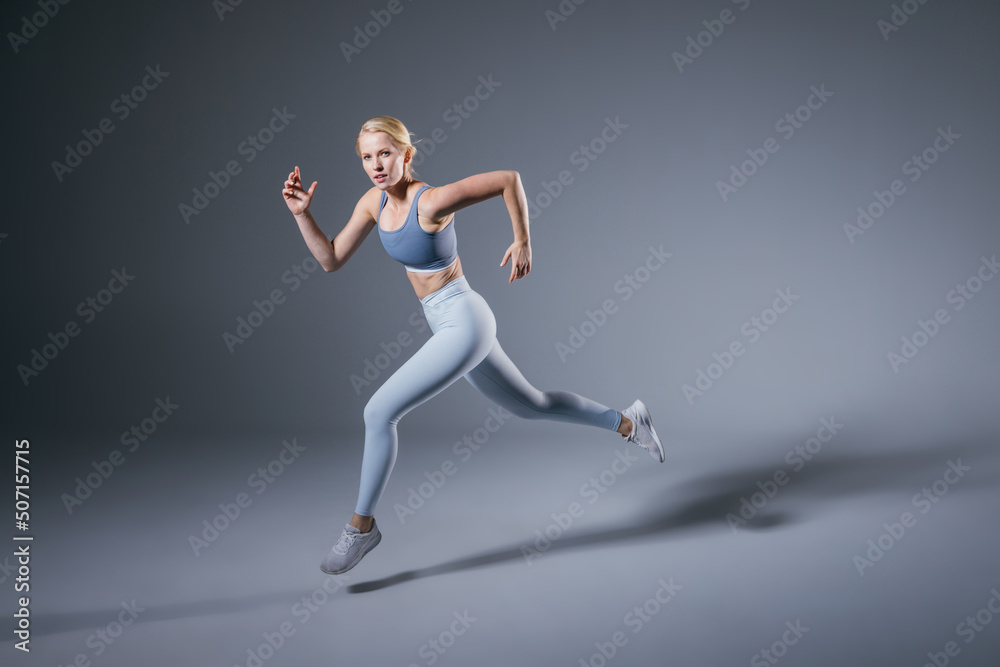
pixel 539 544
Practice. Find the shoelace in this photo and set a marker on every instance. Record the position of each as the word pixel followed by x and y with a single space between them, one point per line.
pixel 345 542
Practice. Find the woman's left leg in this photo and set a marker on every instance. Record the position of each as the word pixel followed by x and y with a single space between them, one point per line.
pixel 499 379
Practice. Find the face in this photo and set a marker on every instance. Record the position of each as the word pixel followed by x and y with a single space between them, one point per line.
pixel 381 158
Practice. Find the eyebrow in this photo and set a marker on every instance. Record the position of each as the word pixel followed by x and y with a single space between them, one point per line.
pixel 383 148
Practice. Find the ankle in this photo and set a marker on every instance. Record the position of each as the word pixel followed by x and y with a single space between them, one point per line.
pixel 362 523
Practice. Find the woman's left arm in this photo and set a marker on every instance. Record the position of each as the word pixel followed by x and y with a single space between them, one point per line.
pixel 446 199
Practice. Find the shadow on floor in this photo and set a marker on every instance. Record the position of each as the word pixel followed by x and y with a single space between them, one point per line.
pixel 716 496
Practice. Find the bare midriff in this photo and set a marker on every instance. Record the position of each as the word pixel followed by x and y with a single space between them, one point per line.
pixel 427 283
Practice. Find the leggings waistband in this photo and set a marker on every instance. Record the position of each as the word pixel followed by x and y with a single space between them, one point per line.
pixel 455 287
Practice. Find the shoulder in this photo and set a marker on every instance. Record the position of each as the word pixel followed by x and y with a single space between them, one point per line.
pixel 368 204
pixel 372 197
pixel 428 206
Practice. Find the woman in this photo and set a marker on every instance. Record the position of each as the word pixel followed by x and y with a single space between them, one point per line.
pixel 419 231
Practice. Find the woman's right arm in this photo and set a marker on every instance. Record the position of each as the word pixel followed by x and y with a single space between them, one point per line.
pixel 320 246
pixel 331 255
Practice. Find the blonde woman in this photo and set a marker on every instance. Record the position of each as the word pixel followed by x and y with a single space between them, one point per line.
pixel 416 225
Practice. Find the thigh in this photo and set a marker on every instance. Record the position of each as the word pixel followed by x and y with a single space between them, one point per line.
pixel 461 339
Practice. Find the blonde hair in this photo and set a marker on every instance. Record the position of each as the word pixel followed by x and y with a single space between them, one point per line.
pixel 397 132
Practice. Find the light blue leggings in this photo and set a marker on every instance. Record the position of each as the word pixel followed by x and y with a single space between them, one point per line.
pixel 463 343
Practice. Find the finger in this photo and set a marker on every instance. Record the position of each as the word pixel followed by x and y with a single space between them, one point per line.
pixel 312 188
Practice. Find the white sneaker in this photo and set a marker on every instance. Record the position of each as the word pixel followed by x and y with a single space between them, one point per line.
pixel 643 433
pixel 350 549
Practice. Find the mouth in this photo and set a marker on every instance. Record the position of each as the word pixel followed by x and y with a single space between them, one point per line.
pixel 380 178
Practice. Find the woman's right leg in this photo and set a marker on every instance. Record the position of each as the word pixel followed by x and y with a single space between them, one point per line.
pixel 463 329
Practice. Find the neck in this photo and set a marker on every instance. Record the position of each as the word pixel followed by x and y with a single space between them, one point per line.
pixel 399 190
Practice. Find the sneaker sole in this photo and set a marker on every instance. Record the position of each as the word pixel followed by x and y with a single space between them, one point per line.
pixel 361 554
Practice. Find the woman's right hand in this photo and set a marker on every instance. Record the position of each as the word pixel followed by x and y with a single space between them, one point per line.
pixel 296 197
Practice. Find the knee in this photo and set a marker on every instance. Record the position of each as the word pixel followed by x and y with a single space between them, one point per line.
pixel 374 414
pixel 536 409
pixel 548 403
pixel 380 413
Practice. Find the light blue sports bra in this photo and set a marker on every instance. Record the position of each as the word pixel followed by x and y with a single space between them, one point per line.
pixel 419 251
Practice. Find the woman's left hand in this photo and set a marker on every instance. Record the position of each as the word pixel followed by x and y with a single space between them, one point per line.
pixel 519 253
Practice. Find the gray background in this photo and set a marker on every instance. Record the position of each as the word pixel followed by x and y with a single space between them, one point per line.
pixel 654 185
